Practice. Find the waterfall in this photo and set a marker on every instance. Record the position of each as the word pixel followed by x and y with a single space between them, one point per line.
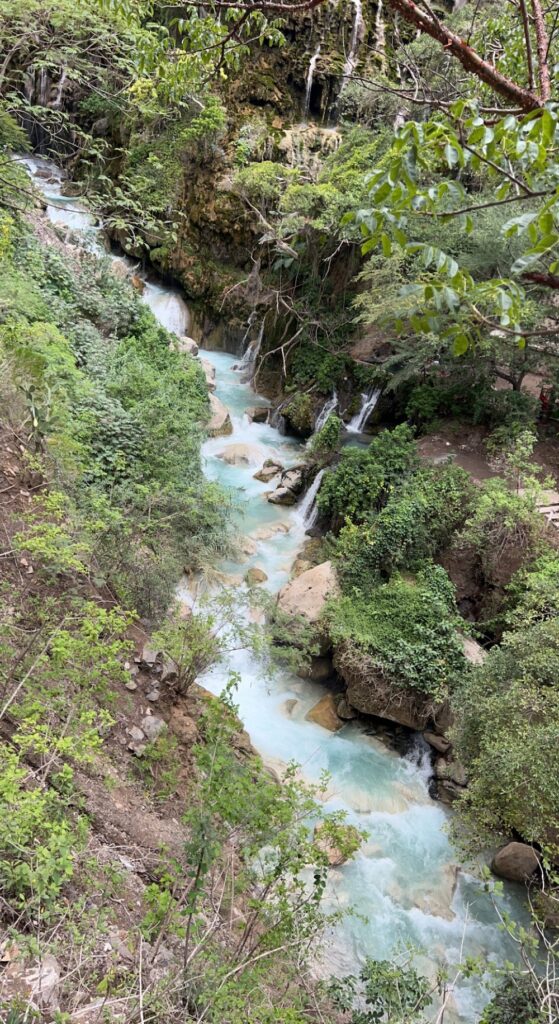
pixel 247 364
pixel 357 35
pixel 168 306
pixel 310 75
pixel 324 413
pixel 368 402
pixel 60 90
pixel 308 508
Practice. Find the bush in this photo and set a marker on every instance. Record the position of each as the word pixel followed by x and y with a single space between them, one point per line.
pixel 364 478
pixel 408 627
pixel 417 521
pixel 502 523
pixel 533 593
pixel 508 737
pixel 325 443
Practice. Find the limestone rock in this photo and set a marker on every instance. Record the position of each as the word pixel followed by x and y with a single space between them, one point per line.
pixel 268 472
pixel 255 575
pixel 324 713
pixel 282 496
pixel 473 652
pixel 516 862
pixel 452 771
pixel 241 455
pixel 307 594
pixel 258 413
pixel 220 422
pixel 186 346
pixel 153 727
pixel 345 710
pixel 209 373
pixel 293 479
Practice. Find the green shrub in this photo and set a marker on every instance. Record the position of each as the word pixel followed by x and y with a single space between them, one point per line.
pixel 324 444
pixel 408 627
pixel 533 593
pixel 502 521
pixel 364 478
pixel 418 520
pixel 508 737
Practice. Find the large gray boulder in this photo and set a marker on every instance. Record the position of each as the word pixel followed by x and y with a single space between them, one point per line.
pixel 517 862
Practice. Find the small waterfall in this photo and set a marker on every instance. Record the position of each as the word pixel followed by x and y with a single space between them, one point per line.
pixel 308 508
pixel 247 364
pixel 168 306
pixel 357 35
pixel 57 102
pixel 324 413
pixel 310 75
pixel 368 402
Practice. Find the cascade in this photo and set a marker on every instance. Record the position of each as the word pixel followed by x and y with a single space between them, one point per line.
pixel 324 413
pixel 368 402
pixel 247 364
pixel 357 35
pixel 310 75
pixel 168 306
pixel 308 508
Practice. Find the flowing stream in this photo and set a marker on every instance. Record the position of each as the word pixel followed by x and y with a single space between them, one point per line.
pixel 405 883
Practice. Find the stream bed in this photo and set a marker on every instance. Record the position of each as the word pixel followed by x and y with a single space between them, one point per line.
pixel 405 884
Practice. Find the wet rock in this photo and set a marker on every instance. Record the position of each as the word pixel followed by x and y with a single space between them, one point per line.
pixel 282 496
pixel 153 727
pixel 439 743
pixel 516 862
pixel 447 792
pixel 258 413
pixel 289 705
pixel 345 710
pixel 293 479
pixel 241 455
pixel 452 771
pixel 255 575
pixel 220 422
pixel 268 472
pixel 324 713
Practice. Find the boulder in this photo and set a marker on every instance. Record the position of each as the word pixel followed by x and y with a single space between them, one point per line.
pixel 241 455
pixel 345 710
pixel 324 713
pixel 282 496
pixel 255 575
pixel 516 862
pixel 451 771
pixel 473 652
pixel 307 594
pixel 268 472
pixel 183 726
pixel 186 346
pixel 220 422
pixel 258 413
pixel 293 479
pixel 209 373
pixel 370 692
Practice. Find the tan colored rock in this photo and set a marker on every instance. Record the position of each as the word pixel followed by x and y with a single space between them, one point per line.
pixel 371 693
pixel 34 984
pixel 516 862
pixel 241 455
pixel 220 422
pixel 307 594
pixel 324 713
pixel 209 373
pixel 281 496
pixel 473 651
pixel 258 413
pixel 183 726
pixel 186 346
pixel 255 575
pixel 268 473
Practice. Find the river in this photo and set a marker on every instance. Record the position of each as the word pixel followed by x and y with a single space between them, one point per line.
pixel 405 883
